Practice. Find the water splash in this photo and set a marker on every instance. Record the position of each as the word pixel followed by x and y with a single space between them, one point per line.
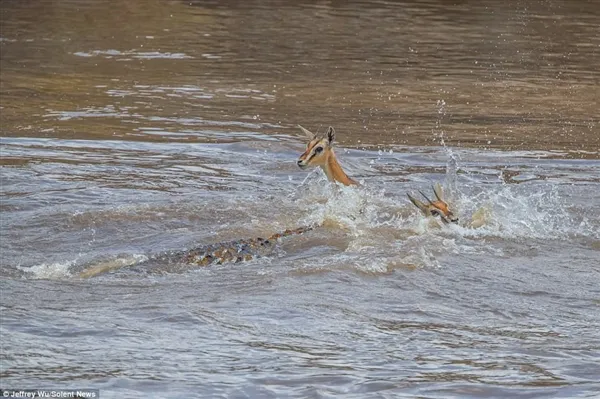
pixel 515 211
pixel 51 271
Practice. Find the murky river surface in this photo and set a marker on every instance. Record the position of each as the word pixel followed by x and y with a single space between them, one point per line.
pixel 134 128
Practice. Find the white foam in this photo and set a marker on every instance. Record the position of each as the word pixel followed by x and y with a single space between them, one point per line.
pixel 516 211
pixel 49 271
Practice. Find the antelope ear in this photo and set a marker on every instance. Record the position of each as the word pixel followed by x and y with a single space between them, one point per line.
pixel 418 204
pixel 308 133
pixel 438 191
pixel 330 135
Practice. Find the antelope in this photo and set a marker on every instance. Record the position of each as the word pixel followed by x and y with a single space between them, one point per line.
pixel 435 208
pixel 319 152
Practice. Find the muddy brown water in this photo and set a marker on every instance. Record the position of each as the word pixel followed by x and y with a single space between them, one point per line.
pixel 133 128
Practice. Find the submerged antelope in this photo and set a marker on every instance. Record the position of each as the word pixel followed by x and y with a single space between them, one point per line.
pixel 435 208
pixel 319 152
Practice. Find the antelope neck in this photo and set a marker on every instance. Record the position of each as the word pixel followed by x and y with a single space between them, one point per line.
pixel 334 171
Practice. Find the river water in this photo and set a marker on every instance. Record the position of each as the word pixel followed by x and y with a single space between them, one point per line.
pixel 133 128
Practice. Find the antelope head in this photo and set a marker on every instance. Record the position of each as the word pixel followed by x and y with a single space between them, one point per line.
pixel 318 148
pixel 319 152
pixel 435 208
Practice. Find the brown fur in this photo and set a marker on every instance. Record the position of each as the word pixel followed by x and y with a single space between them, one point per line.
pixel 435 208
pixel 319 152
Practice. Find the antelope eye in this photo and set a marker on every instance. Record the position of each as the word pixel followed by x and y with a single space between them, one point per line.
pixel 318 150
pixel 435 213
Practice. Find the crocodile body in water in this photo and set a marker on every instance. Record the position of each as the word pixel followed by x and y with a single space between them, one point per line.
pixel 211 254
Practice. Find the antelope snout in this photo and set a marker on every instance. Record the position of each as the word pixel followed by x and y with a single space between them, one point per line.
pixel 301 163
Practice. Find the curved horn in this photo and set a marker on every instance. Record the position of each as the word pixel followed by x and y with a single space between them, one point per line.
pixel 438 191
pixel 422 207
pixel 424 196
pixel 308 133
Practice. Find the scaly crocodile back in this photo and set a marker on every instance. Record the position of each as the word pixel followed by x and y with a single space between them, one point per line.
pixel 205 255
pixel 232 251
